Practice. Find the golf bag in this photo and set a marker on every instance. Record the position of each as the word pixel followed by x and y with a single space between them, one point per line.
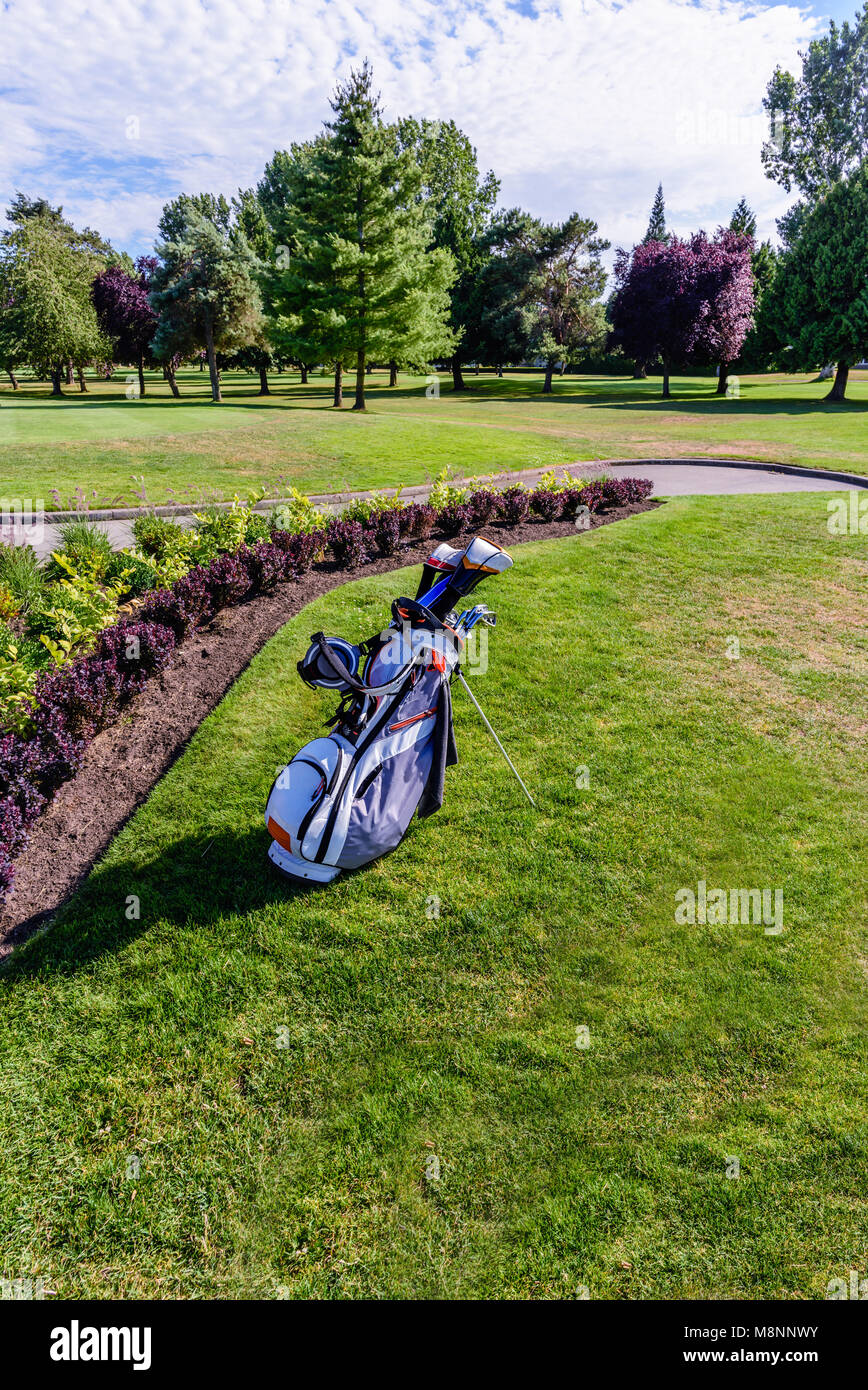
pixel 348 797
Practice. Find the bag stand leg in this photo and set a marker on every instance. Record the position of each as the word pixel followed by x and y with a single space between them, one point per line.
pixel 494 736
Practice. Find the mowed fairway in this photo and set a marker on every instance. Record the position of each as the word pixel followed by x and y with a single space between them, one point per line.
pixel 112 448
pixel 242 1092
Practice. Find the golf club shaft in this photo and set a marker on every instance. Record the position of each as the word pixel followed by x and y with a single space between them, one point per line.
pixel 496 739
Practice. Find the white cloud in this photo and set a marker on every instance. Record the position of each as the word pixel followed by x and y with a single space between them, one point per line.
pixel 581 104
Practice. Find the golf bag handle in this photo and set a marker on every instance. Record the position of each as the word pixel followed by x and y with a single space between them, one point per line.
pixel 410 610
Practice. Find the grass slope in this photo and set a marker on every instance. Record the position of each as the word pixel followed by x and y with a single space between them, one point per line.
pixel 284 1068
pixel 102 442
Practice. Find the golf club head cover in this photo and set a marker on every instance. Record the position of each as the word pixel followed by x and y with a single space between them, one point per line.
pixel 440 562
pixel 479 559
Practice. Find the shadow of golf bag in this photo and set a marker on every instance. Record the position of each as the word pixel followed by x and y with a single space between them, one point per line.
pixel 348 797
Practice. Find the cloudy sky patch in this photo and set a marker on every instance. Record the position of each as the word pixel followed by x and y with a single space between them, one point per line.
pixel 112 107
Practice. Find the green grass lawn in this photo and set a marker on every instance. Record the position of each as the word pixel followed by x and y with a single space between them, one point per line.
pixel 283 1068
pixel 102 443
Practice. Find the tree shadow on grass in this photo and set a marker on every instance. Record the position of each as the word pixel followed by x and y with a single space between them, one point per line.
pixel 742 407
pixel 195 882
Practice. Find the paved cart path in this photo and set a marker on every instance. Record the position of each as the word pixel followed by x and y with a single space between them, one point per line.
pixel 670 480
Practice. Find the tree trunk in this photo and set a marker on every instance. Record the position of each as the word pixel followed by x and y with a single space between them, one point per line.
pixel 393 374
pixel 55 380
pixel 170 377
pixel 82 384
pixel 13 378
pixel 547 384
pixel 141 374
pixel 722 378
pixel 263 382
pixel 339 386
pixel 562 368
pixel 70 375
pixel 201 363
pixel 304 374
pixel 359 402
pixel 640 371
pixel 839 389
pixel 665 380
pixel 457 378
pixel 216 395
pixel 476 373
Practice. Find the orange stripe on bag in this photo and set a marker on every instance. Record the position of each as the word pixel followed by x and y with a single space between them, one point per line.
pixel 278 833
pixel 416 717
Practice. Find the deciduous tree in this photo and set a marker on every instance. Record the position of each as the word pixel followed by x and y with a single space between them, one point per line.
pixel 820 118
pixel 459 202
pixel 820 296
pixel 48 318
pixel 125 313
pixel 683 302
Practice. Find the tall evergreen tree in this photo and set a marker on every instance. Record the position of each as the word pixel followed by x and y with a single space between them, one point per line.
pixel 257 355
pixel 657 221
pixel 363 281
pixel 820 295
pixel 763 348
pixel 743 219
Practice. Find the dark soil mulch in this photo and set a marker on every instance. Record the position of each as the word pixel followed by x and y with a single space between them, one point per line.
pixel 125 761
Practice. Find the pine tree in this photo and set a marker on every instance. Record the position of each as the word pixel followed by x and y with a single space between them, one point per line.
pixel 657 221
pixel 820 295
pixel 743 219
pixel 362 283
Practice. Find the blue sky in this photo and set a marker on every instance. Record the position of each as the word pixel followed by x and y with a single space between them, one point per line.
pixel 111 107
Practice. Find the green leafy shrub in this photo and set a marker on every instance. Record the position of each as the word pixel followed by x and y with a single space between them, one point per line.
pixel 21 575
pixel 220 531
pixel 17 684
pixel 364 508
pixel 443 494
pixel 158 536
pixel 71 612
pixel 257 529
pixel 9 605
pixel 88 547
pixel 133 574
pixel 298 515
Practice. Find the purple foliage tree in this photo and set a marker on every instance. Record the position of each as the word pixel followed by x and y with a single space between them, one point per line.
pixel 124 312
pixel 684 301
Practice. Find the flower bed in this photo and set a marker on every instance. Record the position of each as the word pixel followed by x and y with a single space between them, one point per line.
pixel 71 703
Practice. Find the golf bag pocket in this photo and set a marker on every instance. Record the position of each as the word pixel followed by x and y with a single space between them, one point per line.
pixel 386 799
pixel 302 790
